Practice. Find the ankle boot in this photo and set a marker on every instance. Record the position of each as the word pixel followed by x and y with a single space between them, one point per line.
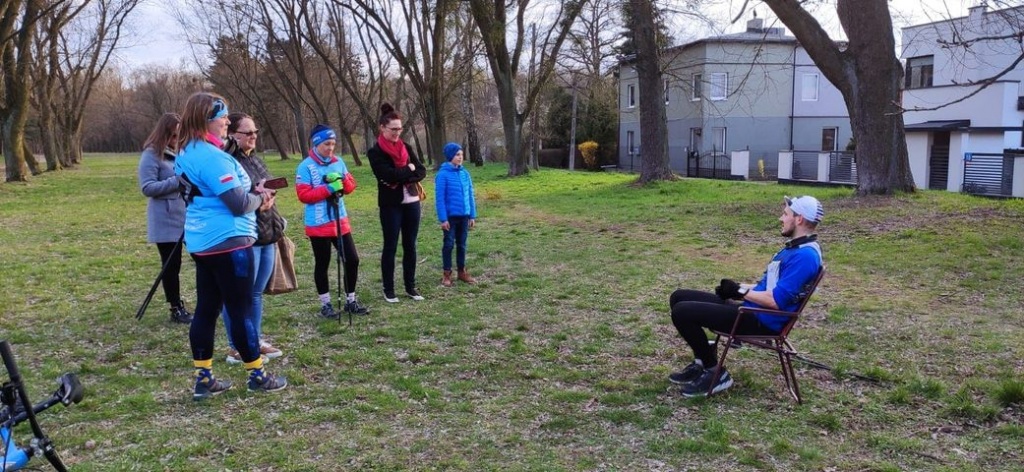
pixel 465 277
pixel 446 278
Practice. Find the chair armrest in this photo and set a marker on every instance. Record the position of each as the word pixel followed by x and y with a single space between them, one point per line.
pixel 768 311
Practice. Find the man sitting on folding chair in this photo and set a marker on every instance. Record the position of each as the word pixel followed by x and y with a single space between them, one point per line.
pixel 792 268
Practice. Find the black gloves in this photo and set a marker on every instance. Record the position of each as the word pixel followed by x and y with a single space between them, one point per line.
pixel 729 290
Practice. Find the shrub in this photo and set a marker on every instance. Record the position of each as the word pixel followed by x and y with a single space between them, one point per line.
pixel 589 151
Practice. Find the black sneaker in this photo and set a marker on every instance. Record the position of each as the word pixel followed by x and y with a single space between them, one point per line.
pixel 180 315
pixel 263 381
pixel 208 386
pixel 414 294
pixel 389 296
pixel 688 374
pixel 327 311
pixel 355 308
pixel 699 387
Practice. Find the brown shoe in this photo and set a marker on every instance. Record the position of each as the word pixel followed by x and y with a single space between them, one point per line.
pixel 465 277
pixel 269 351
pixel 446 278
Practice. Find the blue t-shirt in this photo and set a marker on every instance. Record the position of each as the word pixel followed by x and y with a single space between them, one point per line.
pixel 787 274
pixel 208 221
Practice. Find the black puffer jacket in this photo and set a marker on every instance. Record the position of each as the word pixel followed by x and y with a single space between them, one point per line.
pixel 269 224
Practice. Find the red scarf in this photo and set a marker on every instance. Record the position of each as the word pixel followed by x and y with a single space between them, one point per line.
pixel 396 150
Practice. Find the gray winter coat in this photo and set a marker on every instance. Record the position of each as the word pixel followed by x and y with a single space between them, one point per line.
pixel 165 214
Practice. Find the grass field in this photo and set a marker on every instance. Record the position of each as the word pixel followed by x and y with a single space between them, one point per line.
pixel 557 359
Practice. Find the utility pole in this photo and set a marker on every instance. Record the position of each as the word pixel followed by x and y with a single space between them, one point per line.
pixel 572 129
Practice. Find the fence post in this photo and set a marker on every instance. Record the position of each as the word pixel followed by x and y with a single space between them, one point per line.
pixel 823 166
pixel 741 164
pixel 785 165
pixel 1018 176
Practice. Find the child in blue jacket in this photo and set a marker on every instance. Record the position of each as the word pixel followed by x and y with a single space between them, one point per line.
pixel 456 210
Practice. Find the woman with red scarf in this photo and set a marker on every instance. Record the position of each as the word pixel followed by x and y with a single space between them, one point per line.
pixel 397 170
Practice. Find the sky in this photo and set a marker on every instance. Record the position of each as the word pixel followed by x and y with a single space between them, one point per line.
pixel 159 40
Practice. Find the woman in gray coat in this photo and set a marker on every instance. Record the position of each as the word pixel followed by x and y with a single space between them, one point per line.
pixel 165 214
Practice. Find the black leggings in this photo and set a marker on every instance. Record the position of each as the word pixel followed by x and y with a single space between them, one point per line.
pixel 322 262
pixel 224 280
pixel 693 310
pixel 170 281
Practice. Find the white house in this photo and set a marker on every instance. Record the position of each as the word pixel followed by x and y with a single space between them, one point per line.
pixel 961 134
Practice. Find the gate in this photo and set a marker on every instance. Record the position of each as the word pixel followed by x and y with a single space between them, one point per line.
pixel 711 165
pixel 938 168
pixel 988 173
pixel 842 167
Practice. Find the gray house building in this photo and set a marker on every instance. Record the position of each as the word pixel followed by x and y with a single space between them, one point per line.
pixel 756 91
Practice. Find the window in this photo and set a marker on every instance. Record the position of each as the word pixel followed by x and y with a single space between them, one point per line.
pixel 809 88
pixel 718 140
pixel 666 91
pixel 695 140
pixel 828 139
pixel 919 72
pixel 630 143
pixel 696 85
pixel 631 96
pixel 719 85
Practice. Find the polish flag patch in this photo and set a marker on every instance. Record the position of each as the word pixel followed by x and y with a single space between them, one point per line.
pixel 226 178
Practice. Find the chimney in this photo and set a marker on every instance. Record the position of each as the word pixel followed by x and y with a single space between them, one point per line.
pixel 755 25
pixel 975 13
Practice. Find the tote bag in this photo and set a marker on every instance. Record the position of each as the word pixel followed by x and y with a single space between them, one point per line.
pixel 282 280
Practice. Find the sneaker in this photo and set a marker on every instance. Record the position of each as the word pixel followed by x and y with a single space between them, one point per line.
pixel 180 315
pixel 208 386
pixel 356 309
pixel 327 311
pixel 389 296
pixel 688 374
pixel 234 357
pixel 268 351
pixel 263 381
pixel 414 294
pixel 699 387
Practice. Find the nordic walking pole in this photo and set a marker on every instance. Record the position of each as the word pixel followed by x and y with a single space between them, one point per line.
pixel 340 247
pixel 159 277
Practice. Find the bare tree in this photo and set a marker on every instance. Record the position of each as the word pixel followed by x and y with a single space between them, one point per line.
pixel 16 59
pixel 417 35
pixel 868 74
pixel 492 17
pixel 465 62
pixel 654 165
pixel 86 45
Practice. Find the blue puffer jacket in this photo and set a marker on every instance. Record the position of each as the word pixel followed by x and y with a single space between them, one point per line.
pixel 454 189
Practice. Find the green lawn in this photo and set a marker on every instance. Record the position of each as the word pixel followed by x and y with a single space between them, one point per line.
pixel 557 359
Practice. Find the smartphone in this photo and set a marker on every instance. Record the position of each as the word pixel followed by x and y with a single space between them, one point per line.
pixel 274 184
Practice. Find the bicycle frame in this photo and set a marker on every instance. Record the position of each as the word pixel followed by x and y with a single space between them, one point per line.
pixel 18 408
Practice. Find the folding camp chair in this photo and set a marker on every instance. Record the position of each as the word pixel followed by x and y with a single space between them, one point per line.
pixel 774 342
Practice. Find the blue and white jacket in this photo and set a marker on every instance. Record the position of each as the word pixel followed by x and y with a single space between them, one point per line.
pixel 787 274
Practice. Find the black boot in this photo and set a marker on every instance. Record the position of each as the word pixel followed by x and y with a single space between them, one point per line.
pixel 180 315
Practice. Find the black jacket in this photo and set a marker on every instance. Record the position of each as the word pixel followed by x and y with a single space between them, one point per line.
pixel 391 179
pixel 270 223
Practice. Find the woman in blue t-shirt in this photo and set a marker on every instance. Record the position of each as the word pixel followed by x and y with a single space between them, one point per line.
pixel 220 229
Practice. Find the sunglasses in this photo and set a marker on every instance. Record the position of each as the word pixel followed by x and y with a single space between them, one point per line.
pixel 396 130
pixel 219 109
pixel 248 133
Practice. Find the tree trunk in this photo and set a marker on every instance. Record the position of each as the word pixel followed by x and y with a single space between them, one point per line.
pixel 14 155
pixel 868 74
pixel 17 63
pixel 30 159
pixel 46 130
pixel 654 162
pixel 472 136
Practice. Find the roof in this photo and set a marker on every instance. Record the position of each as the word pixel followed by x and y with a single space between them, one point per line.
pixel 943 125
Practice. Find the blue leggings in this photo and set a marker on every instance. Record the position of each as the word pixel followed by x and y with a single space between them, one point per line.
pixel 224 280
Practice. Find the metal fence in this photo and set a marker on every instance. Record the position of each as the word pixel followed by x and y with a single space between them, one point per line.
pixel 710 165
pixel 988 173
pixel 842 167
pixel 805 165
